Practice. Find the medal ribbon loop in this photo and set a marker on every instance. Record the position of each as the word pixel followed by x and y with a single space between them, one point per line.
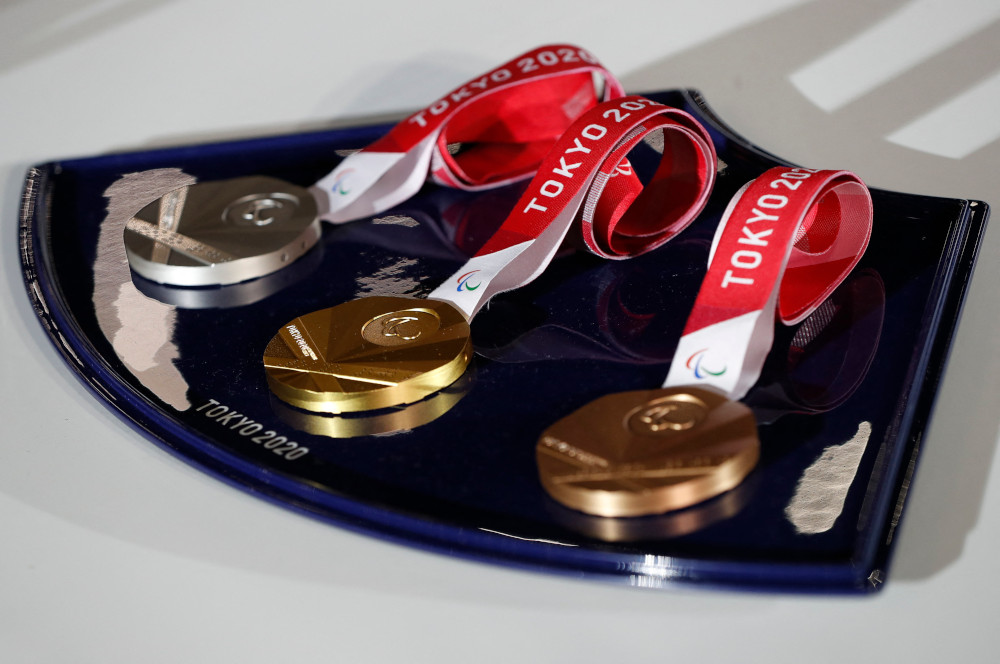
pixel 503 124
pixel 586 176
pixel 786 241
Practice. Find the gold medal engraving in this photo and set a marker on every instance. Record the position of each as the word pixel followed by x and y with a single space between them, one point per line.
pixel 398 328
pixel 648 452
pixel 368 354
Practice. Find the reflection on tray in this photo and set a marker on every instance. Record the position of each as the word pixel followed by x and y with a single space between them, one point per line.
pixel 384 422
pixel 232 295
pixel 829 355
pixel 659 526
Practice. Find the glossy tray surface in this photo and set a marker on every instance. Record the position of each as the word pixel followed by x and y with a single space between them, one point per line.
pixel 843 401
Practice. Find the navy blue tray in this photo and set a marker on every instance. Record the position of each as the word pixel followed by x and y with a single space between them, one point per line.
pixel 843 401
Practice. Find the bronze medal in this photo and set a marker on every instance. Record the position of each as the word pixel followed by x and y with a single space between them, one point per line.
pixel 368 354
pixel 648 451
pixel 225 232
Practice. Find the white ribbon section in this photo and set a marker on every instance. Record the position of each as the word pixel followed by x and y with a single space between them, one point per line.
pixel 469 288
pixel 370 182
pixel 484 276
pixel 727 356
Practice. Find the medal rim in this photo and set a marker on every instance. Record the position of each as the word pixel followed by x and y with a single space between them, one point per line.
pixel 653 500
pixel 407 391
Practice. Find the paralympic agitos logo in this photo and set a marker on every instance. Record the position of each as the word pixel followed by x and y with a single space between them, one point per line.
pixel 464 282
pixel 695 363
pixel 338 185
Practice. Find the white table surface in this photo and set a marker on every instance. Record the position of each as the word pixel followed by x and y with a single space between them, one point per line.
pixel 112 550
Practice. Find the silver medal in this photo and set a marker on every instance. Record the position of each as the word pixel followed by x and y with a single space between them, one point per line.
pixel 224 232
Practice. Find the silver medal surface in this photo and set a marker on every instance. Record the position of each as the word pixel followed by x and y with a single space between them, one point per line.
pixel 224 232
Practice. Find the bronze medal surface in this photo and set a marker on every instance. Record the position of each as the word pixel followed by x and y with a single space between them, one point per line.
pixel 222 232
pixel 648 451
pixel 367 354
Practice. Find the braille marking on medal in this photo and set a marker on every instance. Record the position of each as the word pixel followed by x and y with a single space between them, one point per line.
pixel 171 206
pixel 178 242
pixel 667 415
pixel 401 327
pixel 261 209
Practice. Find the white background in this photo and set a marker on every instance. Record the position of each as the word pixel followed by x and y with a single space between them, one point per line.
pixel 114 551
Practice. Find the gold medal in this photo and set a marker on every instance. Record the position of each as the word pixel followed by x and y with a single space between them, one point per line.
pixel 648 451
pixel 367 354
